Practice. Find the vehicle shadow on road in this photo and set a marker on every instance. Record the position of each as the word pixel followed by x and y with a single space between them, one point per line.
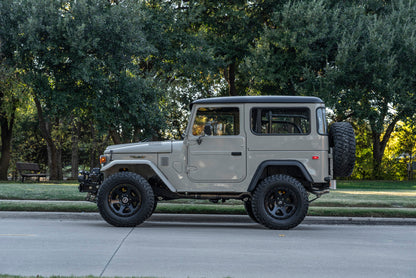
pixel 245 226
pixel 207 224
pixel 190 225
pixel 154 224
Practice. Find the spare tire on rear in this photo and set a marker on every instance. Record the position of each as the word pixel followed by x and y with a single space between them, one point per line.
pixel 342 142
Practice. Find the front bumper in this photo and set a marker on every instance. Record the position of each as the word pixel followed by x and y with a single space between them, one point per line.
pixel 90 181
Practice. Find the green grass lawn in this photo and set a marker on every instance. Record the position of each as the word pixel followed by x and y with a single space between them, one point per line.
pixel 376 185
pixel 41 191
pixel 352 198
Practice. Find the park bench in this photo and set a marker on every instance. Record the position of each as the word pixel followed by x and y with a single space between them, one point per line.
pixel 29 170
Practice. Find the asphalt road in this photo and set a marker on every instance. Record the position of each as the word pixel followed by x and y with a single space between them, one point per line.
pixel 202 247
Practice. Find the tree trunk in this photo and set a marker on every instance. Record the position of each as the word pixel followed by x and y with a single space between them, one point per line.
pixel 6 138
pixel 94 160
pixel 115 137
pixel 231 82
pixel 54 152
pixel 74 150
pixel 377 155
pixel 379 147
pixel 229 75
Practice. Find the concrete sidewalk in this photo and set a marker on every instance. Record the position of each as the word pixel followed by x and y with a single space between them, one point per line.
pixel 211 218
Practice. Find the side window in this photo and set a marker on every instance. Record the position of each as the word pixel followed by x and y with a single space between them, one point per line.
pixel 216 121
pixel 321 120
pixel 280 121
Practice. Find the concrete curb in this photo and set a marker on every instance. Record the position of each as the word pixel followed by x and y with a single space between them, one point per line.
pixel 208 218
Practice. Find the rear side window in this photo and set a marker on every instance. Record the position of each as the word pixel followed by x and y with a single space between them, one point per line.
pixel 280 121
pixel 321 120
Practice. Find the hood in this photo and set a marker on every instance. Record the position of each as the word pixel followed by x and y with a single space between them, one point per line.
pixel 145 147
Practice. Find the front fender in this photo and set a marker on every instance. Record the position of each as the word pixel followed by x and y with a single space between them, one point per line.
pixel 116 163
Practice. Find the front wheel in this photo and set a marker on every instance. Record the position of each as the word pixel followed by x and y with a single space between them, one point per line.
pixel 125 199
pixel 280 202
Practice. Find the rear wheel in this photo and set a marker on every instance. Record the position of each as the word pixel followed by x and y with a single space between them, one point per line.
pixel 280 202
pixel 125 199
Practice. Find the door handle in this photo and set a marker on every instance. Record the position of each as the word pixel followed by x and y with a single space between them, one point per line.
pixel 236 153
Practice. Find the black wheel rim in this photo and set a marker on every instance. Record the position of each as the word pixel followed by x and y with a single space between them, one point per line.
pixel 281 202
pixel 124 200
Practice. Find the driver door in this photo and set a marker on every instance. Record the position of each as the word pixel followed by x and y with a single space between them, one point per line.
pixel 217 145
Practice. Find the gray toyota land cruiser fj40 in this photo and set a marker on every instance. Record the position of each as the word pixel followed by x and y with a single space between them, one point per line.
pixel 271 152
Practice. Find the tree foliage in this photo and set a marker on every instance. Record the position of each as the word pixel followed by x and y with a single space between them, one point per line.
pixel 229 29
pixel 298 40
pixel 122 71
pixel 11 87
pixel 80 57
pixel 372 78
pixel 358 56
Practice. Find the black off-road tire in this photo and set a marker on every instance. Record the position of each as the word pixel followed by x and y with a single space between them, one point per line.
pixel 125 199
pixel 249 210
pixel 342 141
pixel 280 202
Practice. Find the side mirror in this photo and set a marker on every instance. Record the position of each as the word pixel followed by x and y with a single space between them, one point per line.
pixel 207 130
